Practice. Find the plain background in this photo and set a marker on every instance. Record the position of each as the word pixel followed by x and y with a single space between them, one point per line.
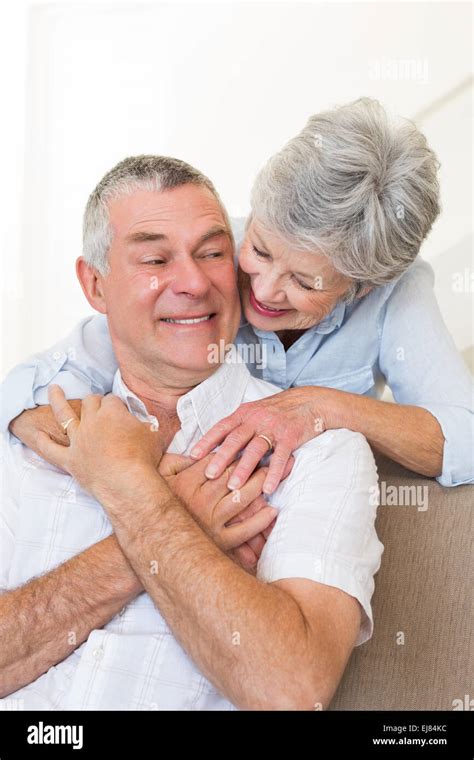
pixel 223 86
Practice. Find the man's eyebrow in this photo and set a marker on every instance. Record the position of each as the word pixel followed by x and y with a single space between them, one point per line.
pixel 213 232
pixel 145 237
pixel 142 236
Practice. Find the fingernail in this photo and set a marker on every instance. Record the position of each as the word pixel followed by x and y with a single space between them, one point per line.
pixel 233 483
pixel 211 471
pixel 268 488
pixel 196 452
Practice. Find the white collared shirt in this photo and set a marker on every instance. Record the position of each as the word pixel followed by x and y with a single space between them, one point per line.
pixel 324 532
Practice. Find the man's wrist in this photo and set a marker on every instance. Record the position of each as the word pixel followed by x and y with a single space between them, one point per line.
pixel 141 487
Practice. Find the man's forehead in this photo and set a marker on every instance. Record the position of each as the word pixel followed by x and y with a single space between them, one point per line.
pixel 193 205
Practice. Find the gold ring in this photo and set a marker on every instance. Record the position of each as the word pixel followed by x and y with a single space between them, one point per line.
pixel 270 444
pixel 66 424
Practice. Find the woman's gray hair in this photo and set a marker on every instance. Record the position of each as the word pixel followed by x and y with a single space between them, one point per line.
pixel 355 185
pixel 153 173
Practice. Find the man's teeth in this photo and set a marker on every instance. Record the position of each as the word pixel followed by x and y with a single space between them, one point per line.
pixel 188 321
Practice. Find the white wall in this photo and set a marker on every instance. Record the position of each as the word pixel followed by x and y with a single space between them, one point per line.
pixel 221 85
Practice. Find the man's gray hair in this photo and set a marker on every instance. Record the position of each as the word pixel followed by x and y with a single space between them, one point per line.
pixel 356 186
pixel 153 173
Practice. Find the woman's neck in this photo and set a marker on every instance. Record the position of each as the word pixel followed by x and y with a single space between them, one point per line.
pixel 288 337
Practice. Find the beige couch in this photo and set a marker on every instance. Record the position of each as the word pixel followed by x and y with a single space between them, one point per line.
pixel 424 598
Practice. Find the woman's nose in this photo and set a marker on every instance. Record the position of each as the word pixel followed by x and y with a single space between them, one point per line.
pixel 267 289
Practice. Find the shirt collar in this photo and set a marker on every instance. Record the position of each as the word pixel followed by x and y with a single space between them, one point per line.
pixel 214 398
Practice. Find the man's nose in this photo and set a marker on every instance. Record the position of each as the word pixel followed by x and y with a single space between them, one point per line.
pixel 189 279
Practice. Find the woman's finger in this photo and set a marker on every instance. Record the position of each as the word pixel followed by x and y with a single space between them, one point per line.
pixel 257 543
pixel 235 442
pixel 52 452
pixel 63 412
pixel 267 531
pixel 253 453
pixel 244 531
pixel 215 435
pixel 276 468
pixel 245 556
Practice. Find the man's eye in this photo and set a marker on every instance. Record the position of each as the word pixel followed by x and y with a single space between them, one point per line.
pixel 213 255
pixel 155 261
pixel 260 254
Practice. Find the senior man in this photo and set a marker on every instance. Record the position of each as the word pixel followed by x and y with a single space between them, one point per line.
pixel 118 592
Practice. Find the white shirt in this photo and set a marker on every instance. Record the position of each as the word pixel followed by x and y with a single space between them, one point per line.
pixel 324 532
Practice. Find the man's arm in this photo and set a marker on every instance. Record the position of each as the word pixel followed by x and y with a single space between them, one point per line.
pixel 282 645
pixel 42 622
pixel 45 620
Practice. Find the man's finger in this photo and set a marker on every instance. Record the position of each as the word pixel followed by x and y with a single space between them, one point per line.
pixel 63 412
pixel 172 464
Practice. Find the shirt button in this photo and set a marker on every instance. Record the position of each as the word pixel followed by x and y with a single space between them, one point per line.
pixel 98 653
pixel 57 356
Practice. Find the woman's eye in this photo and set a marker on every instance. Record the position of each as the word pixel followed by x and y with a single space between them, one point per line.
pixel 302 285
pixel 260 254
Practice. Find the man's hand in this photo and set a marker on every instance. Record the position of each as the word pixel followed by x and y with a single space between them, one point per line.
pixel 107 444
pixel 31 422
pixel 110 453
pixel 239 522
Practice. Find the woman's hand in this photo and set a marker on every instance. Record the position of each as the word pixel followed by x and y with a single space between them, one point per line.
pixel 31 422
pixel 288 419
pixel 239 522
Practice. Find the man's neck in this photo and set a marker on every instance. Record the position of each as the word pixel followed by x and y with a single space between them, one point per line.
pixel 157 398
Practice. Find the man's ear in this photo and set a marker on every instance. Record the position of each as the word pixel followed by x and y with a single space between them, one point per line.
pixel 92 284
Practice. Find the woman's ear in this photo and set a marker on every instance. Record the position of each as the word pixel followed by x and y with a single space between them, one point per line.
pixel 92 284
pixel 364 292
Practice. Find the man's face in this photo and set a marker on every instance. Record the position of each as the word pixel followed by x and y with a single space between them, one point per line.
pixel 171 260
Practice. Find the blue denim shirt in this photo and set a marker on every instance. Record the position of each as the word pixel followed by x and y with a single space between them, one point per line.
pixel 395 335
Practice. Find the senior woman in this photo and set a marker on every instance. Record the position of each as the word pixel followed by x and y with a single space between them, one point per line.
pixel 336 304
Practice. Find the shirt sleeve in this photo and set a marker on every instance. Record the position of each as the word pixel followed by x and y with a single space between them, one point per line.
pixel 325 529
pixel 82 363
pixel 423 368
pixel 8 513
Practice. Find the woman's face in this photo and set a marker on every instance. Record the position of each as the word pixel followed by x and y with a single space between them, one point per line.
pixel 282 288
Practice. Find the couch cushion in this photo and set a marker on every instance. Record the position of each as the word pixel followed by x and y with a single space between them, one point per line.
pixel 422 652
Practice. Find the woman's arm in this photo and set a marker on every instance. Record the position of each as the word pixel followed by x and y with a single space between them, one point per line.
pixel 429 429
pixel 410 435
pixel 82 363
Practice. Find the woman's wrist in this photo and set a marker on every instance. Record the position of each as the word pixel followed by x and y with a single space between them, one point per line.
pixel 332 409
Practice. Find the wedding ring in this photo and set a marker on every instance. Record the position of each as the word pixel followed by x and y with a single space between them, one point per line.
pixel 66 424
pixel 270 444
